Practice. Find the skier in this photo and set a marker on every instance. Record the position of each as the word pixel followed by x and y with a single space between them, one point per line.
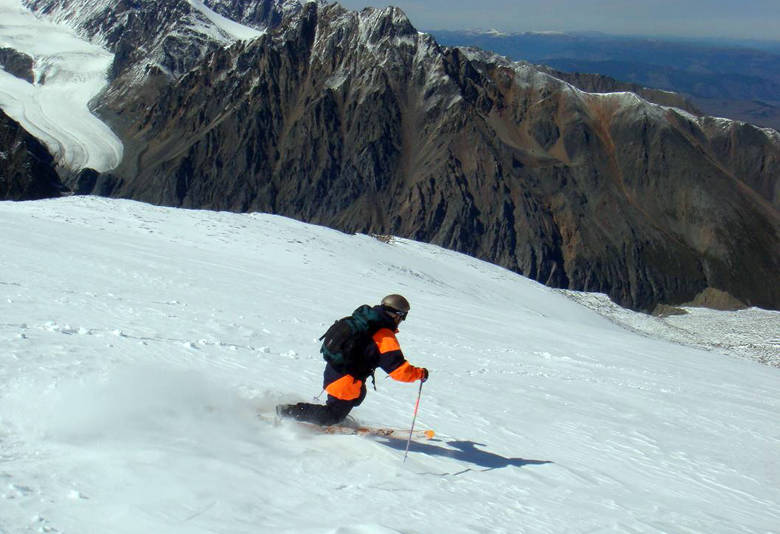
pixel 346 387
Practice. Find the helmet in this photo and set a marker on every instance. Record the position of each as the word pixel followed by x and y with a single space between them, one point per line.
pixel 396 303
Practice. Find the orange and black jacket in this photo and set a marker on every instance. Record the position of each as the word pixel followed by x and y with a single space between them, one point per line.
pixel 383 351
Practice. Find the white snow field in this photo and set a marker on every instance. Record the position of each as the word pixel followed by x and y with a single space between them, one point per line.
pixel 138 342
pixel 69 72
pixel 221 27
pixel 751 333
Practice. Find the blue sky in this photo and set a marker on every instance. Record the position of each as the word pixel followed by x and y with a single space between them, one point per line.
pixel 746 19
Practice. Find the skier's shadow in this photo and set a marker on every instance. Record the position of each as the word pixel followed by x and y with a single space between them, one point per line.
pixel 464 451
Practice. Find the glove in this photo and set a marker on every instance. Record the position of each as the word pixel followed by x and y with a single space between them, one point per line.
pixel 424 375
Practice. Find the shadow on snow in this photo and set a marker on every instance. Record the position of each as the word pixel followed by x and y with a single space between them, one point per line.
pixel 464 451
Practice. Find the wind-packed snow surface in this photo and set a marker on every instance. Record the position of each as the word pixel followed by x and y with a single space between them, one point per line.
pixel 69 72
pixel 139 343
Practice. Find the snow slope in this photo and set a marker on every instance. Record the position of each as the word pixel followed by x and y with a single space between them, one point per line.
pixel 234 30
pixel 751 333
pixel 69 72
pixel 139 341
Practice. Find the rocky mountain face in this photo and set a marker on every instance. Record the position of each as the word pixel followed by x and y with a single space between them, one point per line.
pixel 160 37
pixel 26 167
pixel 359 122
pixel 165 38
pixel 598 83
pixel 734 79
pixel 17 63
pixel 266 14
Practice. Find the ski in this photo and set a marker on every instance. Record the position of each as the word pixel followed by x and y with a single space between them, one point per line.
pixel 353 429
pixel 362 430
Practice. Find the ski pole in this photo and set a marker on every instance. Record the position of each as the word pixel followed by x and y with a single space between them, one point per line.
pixel 411 430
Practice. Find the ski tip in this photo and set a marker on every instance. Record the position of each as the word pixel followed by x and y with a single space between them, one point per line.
pixel 429 434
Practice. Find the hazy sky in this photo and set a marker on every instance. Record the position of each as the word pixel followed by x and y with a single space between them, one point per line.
pixel 751 19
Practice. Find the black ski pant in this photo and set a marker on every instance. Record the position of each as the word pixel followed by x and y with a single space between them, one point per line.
pixel 332 412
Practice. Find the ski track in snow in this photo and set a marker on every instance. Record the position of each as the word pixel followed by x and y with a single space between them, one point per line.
pixel 69 72
pixel 140 341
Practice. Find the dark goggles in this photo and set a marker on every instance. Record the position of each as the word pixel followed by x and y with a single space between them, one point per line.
pixel 401 314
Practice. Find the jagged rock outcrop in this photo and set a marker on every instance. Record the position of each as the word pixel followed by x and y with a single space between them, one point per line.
pixel 26 167
pixel 17 63
pixel 357 121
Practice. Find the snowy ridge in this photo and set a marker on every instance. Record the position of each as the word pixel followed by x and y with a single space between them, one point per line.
pixel 195 27
pixel 75 14
pixel 139 342
pixel 245 12
pixel 387 35
pixel 527 75
pixel 83 14
pixel 69 73
pixel 233 30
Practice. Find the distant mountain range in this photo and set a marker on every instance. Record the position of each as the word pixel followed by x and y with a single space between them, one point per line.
pixel 357 121
pixel 735 80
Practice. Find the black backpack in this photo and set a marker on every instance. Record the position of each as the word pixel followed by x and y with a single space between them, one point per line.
pixel 345 340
